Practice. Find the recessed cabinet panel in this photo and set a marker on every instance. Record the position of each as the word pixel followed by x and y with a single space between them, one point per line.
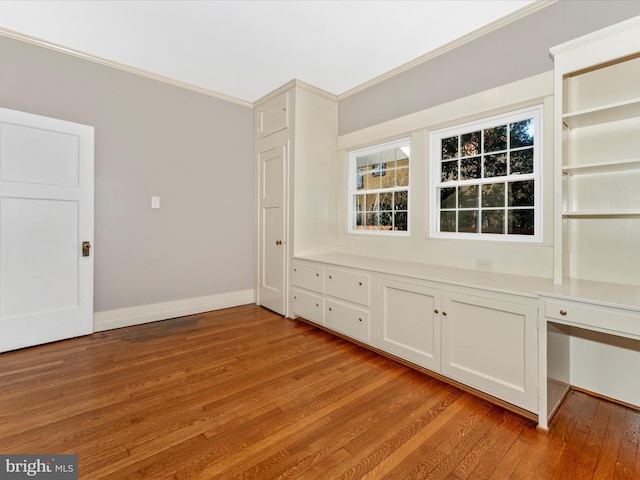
pixel 273 116
pixel 348 285
pixel 491 345
pixel 411 322
pixel 349 320
pixel 308 306
pixel 309 276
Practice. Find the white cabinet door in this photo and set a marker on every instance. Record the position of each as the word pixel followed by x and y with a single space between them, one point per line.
pixel 491 345
pixel 409 326
pixel 273 116
pixel 46 213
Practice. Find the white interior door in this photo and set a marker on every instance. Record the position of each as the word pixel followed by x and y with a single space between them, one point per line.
pixel 46 213
pixel 272 271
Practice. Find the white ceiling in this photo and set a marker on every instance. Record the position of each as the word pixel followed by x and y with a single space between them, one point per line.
pixel 245 49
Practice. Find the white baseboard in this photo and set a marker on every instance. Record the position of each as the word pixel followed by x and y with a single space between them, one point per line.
pixel 126 317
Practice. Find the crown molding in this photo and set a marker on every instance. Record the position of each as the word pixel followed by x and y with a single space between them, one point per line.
pixel 295 83
pixel 5 32
pixel 507 19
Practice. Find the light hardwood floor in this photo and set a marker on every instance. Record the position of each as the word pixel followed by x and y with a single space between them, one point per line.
pixel 244 393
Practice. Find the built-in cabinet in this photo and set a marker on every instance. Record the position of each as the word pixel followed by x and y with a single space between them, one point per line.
pixel 590 329
pixel 486 340
pixel 294 146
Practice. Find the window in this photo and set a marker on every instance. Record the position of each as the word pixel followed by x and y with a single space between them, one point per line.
pixel 486 179
pixel 379 188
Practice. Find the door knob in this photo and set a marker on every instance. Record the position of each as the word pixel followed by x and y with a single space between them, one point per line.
pixel 86 249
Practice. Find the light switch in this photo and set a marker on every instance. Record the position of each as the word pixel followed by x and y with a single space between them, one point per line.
pixel 155 202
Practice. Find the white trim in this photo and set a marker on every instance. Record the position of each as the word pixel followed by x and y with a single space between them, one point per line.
pixel 512 17
pixel 5 32
pixel 291 84
pixel 126 317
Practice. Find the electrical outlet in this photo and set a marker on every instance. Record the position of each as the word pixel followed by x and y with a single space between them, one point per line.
pixel 484 265
pixel 155 202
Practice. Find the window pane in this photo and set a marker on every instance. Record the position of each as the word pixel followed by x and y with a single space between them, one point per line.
pixel 359 219
pixel 470 168
pixel 372 221
pixel 359 203
pixel 521 161
pixel 447 221
pixel 493 195
pixel 401 200
pixel 388 178
pixel 493 221
pixel 448 197
pixel 495 138
pixel 495 165
pixel 449 171
pixel 521 193
pixel 386 200
pixel 402 177
pixel 449 148
pixel 372 202
pixel 386 220
pixel 468 196
pixel 400 221
pixel 372 179
pixel 521 222
pixel 470 144
pixel 521 133
pixel 468 221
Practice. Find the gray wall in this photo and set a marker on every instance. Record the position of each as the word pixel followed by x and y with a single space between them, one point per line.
pixel 513 52
pixel 192 150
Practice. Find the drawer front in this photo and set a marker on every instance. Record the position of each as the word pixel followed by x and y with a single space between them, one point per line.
pixel 594 317
pixel 348 320
pixel 308 306
pixel 309 276
pixel 347 285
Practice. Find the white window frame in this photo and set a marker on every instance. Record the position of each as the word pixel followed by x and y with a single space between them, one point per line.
pixel 435 139
pixel 353 155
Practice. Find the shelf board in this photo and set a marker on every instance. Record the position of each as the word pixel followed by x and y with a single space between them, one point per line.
pixel 602 214
pixel 603 114
pixel 603 167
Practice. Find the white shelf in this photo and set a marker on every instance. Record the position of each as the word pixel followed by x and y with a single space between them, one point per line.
pixel 603 114
pixel 609 166
pixel 602 214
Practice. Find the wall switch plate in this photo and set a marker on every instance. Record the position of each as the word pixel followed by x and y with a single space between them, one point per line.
pixel 155 202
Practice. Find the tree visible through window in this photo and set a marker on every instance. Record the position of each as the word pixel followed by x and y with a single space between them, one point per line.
pixel 380 188
pixel 486 178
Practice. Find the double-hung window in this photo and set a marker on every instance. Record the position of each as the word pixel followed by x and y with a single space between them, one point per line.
pixel 486 179
pixel 379 188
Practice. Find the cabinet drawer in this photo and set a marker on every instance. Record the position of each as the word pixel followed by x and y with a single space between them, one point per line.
pixel 594 317
pixel 308 276
pixel 347 285
pixel 351 321
pixel 308 306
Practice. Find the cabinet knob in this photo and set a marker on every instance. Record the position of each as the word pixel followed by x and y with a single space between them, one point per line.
pixel 317 305
pixel 444 313
pixel 437 311
pixel 563 312
pixel 295 298
pixel 360 283
pixel 359 319
pixel 330 277
pixel 330 309
pixel 295 269
pixel 317 274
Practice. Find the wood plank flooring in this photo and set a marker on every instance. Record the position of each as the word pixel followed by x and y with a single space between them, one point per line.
pixel 243 393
